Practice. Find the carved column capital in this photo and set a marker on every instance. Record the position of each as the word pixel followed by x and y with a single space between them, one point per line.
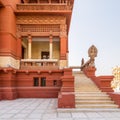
pixel 29 38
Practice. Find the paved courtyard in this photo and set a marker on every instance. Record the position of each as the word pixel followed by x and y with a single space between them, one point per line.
pixel 46 109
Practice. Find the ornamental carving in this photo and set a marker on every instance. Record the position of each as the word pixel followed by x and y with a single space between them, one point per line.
pixel 63 30
pixel 44 7
pixel 18 33
pixel 92 52
pixel 41 19
pixel 38 28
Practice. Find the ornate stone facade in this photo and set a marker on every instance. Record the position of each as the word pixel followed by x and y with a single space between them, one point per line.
pixel 33 48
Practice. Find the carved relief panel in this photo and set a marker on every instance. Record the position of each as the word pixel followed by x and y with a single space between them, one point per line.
pixel 42 24
pixel 41 19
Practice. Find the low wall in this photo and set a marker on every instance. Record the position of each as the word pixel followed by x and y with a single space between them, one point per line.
pixel 21 84
pixel 103 82
pixel 9 93
pixel 38 92
pixel 115 97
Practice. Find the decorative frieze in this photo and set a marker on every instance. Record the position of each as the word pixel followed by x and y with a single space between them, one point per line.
pixel 40 19
pixel 43 7
pixel 40 28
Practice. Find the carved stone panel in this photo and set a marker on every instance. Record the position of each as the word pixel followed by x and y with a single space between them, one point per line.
pixel 63 30
pixel 37 19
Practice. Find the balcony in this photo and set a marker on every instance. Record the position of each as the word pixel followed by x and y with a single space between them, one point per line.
pixel 43 8
pixel 39 64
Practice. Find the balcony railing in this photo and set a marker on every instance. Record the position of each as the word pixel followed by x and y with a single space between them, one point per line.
pixel 41 64
pixel 43 7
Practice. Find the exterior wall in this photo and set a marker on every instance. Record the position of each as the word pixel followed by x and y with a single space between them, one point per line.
pixel 15 83
pixel 20 83
pixel 8 39
pixel 26 78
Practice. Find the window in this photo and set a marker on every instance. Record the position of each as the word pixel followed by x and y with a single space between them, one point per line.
pixel 36 81
pixel 43 81
pixel 44 55
pixel 55 82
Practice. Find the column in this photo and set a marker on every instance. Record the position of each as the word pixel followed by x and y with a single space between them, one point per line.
pixel 63 48
pixel 19 47
pixel 50 46
pixel 49 1
pixel 63 41
pixel 29 46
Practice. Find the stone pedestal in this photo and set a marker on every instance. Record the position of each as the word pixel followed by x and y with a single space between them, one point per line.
pixel 66 97
pixel 89 71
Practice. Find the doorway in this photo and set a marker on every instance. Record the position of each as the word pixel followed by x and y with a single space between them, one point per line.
pixel 44 55
pixel 23 52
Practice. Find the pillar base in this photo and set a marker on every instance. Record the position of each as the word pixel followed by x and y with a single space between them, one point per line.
pixel 9 62
pixel 89 71
pixel 9 93
pixel 66 100
pixel 63 63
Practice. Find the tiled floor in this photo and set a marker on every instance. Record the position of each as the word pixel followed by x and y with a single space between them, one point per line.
pixel 46 109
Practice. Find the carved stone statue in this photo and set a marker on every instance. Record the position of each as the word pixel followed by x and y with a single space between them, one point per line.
pixel 82 61
pixel 92 52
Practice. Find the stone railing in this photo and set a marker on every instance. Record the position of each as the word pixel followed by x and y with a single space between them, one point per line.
pixel 43 7
pixel 46 64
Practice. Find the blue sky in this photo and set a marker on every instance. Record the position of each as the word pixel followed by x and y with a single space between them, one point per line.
pixel 96 22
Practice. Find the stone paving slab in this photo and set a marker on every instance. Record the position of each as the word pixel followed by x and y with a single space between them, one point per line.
pixel 46 109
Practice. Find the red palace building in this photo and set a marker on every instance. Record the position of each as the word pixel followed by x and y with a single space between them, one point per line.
pixel 34 51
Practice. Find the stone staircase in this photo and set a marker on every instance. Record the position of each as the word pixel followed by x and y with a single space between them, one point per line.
pixel 88 95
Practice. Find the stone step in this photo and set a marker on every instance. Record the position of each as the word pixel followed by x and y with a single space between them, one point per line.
pixel 88 95
pixel 96 106
pixel 94 102
pixel 92 98
pixel 87 90
pixel 92 95
pixel 77 72
pixel 65 110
